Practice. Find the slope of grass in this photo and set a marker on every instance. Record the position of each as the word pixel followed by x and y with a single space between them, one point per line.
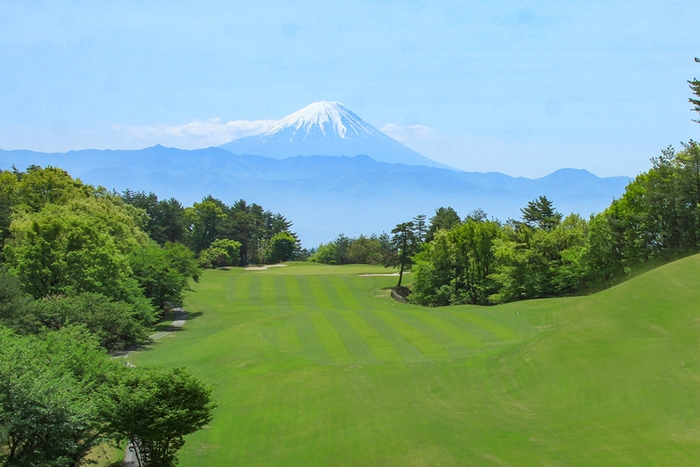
pixel 317 366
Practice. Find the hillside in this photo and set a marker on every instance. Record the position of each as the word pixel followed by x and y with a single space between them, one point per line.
pixel 316 365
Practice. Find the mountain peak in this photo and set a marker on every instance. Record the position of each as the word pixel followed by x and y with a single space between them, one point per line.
pixel 326 129
pixel 331 119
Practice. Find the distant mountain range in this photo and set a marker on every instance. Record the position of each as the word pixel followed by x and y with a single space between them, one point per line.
pixel 327 129
pixel 325 195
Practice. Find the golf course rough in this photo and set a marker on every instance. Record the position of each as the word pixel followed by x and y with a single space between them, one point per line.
pixel 315 365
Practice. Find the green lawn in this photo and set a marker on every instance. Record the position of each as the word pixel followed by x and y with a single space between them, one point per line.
pixel 317 366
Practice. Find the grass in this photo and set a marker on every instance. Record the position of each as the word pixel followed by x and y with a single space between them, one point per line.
pixel 317 366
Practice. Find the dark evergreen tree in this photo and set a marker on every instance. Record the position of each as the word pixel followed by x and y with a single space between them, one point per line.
pixel 695 87
pixel 444 218
pixel 540 214
pixel 404 245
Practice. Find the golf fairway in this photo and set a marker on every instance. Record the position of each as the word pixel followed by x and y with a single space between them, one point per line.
pixel 316 365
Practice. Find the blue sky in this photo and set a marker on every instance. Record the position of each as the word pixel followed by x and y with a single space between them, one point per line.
pixel 518 87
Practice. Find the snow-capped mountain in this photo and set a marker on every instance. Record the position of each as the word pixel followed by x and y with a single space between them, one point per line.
pixel 326 129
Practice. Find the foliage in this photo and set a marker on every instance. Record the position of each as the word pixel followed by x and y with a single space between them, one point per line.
pixel 13 300
pixel 50 389
pixel 540 214
pixel 222 252
pixel 166 218
pixel 79 246
pixel 445 219
pixel 164 273
pixel 695 87
pixel 203 220
pixel 365 250
pixel 248 224
pixel 115 325
pixel 404 245
pixel 456 266
pixel 326 253
pixel 361 250
pixel 155 408
pixel 280 248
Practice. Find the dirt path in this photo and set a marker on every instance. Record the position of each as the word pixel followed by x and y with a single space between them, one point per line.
pixel 178 323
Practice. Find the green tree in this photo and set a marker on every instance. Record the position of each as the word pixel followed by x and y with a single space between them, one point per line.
pixel 166 218
pixel 13 300
pixel 404 245
pixel 50 392
pixel 154 409
pixel 9 187
pixel 695 87
pixel 540 214
pixel 327 254
pixel 222 252
pixel 365 250
pixel 164 273
pixel 420 227
pixel 433 272
pixel 80 246
pixel 203 220
pixel 541 263
pixel 41 186
pixel 281 248
pixel 115 325
pixel 444 218
pixel 456 266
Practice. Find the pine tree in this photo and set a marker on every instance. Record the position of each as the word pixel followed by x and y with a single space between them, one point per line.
pixel 695 87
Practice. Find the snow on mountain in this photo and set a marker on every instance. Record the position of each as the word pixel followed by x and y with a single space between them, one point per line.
pixel 326 129
pixel 323 115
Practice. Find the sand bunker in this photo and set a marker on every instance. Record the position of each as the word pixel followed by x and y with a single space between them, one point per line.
pixel 262 268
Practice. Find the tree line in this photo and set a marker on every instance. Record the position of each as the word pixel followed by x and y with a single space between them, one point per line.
pixel 483 261
pixel 221 235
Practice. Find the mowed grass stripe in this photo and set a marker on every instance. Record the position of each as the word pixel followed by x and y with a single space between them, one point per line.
pixel 446 343
pixel 357 346
pixel 334 346
pixel 255 289
pixel 403 347
pixel 344 293
pixel 267 290
pixel 279 291
pixel 477 332
pixel 364 295
pixel 418 339
pixel 380 346
pixel 294 295
pixel 309 339
pixel 312 299
pixel 318 289
pixel 328 288
pixel 457 335
pixel 501 332
pixel 239 290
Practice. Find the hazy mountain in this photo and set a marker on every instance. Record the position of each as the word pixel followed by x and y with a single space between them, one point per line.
pixel 327 129
pixel 325 196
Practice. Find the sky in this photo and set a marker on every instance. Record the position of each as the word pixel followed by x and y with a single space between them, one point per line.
pixel 518 87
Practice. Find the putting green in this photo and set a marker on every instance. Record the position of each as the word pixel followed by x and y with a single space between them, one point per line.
pixel 318 366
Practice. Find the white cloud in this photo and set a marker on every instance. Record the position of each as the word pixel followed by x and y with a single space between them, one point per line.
pixel 410 133
pixel 195 134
